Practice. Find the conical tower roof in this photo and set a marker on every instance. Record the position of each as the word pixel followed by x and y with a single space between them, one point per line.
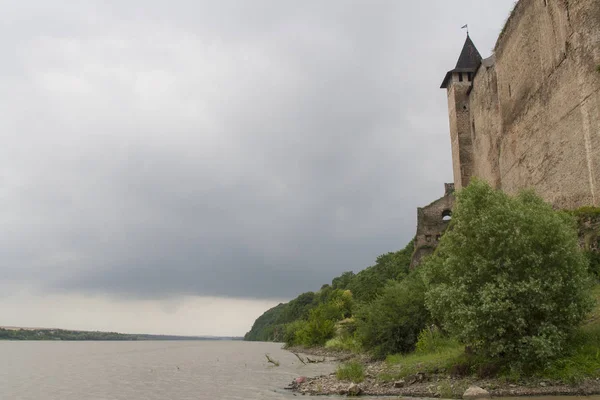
pixel 468 61
pixel 469 56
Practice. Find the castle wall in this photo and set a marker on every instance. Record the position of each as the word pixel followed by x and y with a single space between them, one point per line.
pixel 431 224
pixel 486 126
pixel 536 112
pixel 460 133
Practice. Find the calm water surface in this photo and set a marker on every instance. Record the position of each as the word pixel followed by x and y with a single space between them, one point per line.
pixel 147 370
pixel 152 370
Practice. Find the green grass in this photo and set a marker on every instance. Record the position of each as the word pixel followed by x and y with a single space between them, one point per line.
pixel 587 211
pixel 593 319
pixel 582 359
pixel 351 371
pixel 343 343
pixel 440 361
pixel 438 355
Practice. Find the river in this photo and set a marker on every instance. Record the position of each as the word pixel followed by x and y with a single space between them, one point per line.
pixel 162 370
pixel 165 370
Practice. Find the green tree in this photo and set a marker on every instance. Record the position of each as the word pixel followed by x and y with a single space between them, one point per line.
pixel 320 325
pixel 392 322
pixel 368 283
pixel 508 277
pixel 342 281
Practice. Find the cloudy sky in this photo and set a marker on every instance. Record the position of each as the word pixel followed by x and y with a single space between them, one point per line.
pixel 180 167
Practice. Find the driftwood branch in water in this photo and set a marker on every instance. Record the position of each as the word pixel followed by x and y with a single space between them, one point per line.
pixel 315 361
pixel 299 358
pixel 274 362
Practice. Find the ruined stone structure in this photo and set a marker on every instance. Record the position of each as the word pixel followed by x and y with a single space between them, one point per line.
pixel 432 221
pixel 529 115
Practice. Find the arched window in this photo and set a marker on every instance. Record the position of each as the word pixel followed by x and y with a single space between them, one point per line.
pixel 446 215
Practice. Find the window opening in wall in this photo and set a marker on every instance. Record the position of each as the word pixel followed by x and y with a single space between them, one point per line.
pixel 509 91
pixel 446 215
pixel 469 76
pixel 460 77
pixel 428 238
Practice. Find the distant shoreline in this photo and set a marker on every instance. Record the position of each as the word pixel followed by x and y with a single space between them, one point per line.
pixel 44 334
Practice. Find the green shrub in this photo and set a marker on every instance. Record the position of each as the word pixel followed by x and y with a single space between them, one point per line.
pixel 431 340
pixel 392 322
pixel 594 264
pixel 345 343
pixel 581 359
pixel 351 371
pixel 290 336
pixel 441 361
pixel 315 332
pixel 586 212
pixel 319 328
pixel 320 325
pixel 508 278
pixel 368 283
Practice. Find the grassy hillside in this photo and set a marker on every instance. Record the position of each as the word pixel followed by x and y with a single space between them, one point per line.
pixel 364 286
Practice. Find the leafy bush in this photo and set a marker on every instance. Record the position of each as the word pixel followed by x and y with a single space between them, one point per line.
pixel 441 361
pixel 351 371
pixel 320 326
pixel 508 278
pixel 580 361
pixel 315 332
pixel 432 340
pixel 594 264
pixel 346 343
pixel 392 322
pixel 290 336
pixel 368 283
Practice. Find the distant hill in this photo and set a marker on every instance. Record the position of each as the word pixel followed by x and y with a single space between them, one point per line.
pixel 16 333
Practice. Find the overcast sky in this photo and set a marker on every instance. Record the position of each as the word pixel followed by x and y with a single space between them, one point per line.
pixel 181 166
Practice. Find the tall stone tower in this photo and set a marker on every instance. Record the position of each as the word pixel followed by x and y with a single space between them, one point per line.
pixel 458 83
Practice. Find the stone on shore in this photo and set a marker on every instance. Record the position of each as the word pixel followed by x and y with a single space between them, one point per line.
pixel 475 393
pixel 399 384
pixel 354 390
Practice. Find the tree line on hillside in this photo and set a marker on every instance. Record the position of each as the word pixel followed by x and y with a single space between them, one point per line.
pixel 59 334
pixel 63 334
pixel 332 300
pixel 509 282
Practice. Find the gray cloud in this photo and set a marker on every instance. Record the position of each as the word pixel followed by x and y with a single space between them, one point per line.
pixel 232 148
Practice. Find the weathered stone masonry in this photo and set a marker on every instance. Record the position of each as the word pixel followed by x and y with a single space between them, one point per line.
pixel 534 106
pixel 432 221
pixel 529 115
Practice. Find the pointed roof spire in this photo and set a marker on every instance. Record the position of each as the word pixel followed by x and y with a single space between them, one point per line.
pixel 468 61
pixel 469 56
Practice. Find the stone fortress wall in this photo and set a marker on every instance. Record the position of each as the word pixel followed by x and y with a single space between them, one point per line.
pixel 528 117
pixel 534 106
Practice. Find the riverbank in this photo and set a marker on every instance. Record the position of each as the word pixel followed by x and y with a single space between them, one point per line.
pixel 378 380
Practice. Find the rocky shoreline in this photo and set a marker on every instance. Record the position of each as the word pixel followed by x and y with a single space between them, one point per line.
pixel 422 385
